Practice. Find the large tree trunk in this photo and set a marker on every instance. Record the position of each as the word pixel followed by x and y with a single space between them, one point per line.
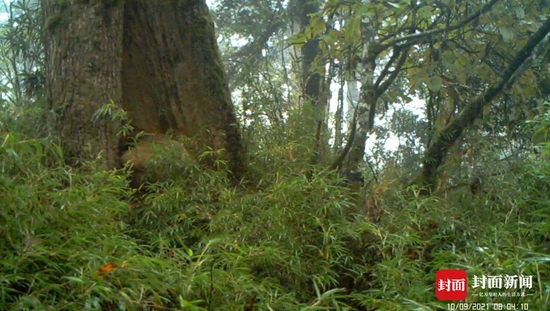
pixel 158 60
pixel 173 78
pixel 83 46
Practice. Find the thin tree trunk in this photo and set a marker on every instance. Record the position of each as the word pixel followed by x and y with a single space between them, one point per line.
pixel 352 98
pixel 339 115
pixel 311 78
pixel 367 104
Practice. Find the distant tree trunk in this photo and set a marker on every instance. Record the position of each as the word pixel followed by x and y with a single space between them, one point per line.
pixel 372 89
pixel 351 100
pixel 339 115
pixel 158 60
pixel 367 105
pixel 311 78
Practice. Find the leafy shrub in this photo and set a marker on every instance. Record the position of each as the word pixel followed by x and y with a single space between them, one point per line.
pixel 63 232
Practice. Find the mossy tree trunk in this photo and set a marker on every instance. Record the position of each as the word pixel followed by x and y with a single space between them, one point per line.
pixel 158 60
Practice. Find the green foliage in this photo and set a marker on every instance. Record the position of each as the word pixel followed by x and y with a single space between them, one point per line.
pixel 22 105
pixel 82 240
pixel 58 226
pixel 286 145
pixel 541 127
pixel 114 114
pixel 278 240
pixel 75 240
pixel 498 233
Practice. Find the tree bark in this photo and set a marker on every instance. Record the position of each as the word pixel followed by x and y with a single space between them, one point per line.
pixel 158 60
pixel 83 46
pixel 173 77
pixel 450 134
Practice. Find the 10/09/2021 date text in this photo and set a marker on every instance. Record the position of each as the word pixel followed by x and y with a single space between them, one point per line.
pixel 459 306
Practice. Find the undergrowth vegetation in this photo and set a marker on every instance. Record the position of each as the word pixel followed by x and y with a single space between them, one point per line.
pixel 82 239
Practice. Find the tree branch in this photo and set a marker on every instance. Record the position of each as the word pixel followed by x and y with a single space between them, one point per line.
pixel 449 135
pixel 386 84
pixel 414 38
pixel 385 71
pixel 337 164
